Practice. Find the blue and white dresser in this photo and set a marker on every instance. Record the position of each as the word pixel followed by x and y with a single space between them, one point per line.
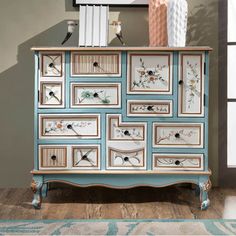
pixel 121 117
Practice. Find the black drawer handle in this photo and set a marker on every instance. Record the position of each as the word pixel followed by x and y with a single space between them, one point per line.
pixel 127 133
pixel 177 162
pixel 126 159
pixel 95 64
pixel 150 108
pixel 53 157
pixel 69 127
pixel 177 135
pixel 181 82
pixel 150 72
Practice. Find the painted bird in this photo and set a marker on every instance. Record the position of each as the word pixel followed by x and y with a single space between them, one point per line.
pixel 117 28
pixel 70 29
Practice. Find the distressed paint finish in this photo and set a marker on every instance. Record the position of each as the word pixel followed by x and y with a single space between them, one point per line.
pixel 125 145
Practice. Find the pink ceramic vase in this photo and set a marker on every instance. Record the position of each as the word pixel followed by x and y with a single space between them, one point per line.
pixel 158 23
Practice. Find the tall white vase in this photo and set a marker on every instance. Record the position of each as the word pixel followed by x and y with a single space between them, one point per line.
pixel 177 15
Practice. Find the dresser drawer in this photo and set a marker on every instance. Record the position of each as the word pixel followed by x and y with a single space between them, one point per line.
pixel 124 131
pixel 126 159
pixel 150 108
pixel 52 157
pixel 178 162
pixel 96 64
pixel 149 73
pixel 85 157
pixel 69 126
pixel 92 95
pixel 178 135
pixel 52 64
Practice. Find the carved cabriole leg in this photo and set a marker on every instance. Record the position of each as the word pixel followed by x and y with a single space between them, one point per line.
pixel 44 190
pixel 204 189
pixel 36 187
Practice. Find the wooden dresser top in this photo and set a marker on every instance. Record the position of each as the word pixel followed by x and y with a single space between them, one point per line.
pixel 195 48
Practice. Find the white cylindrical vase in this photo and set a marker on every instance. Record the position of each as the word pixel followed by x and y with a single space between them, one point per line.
pixel 177 17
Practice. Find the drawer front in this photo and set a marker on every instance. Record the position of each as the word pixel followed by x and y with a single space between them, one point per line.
pixel 178 135
pixel 122 159
pixel 178 162
pixel 51 94
pixel 52 64
pixel 96 64
pixel 87 95
pixel 69 126
pixel 52 157
pixel 124 131
pixel 191 85
pixel 86 157
pixel 150 108
pixel 149 73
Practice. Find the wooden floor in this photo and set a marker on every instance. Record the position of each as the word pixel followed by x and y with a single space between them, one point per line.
pixel 103 203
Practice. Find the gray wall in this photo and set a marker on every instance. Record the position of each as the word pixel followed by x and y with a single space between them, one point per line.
pixel 28 23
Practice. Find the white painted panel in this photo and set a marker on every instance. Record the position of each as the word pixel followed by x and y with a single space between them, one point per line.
pixel 89 25
pixel 104 25
pixel 231 20
pixel 231 72
pixel 231 139
pixel 82 20
pixel 96 25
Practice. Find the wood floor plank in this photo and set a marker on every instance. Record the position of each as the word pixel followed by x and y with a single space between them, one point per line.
pixel 174 202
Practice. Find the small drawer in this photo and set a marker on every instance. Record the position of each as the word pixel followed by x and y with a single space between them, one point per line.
pixel 86 157
pixel 124 131
pixel 178 162
pixel 150 108
pixel 90 95
pixel 178 135
pixel 96 64
pixel 149 73
pixel 69 126
pixel 51 94
pixel 126 159
pixel 52 157
pixel 52 64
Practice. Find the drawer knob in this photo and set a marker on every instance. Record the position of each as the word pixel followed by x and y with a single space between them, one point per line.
pixel 95 64
pixel 69 126
pixel 51 65
pixel 95 95
pixel 127 133
pixel 150 108
pixel 177 162
pixel 51 94
pixel 84 157
pixel 181 82
pixel 150 72
pixel 177 135
pixel 53 157
pixel 126 159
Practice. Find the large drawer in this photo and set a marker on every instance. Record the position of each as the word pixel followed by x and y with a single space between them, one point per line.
pixel 173 162
pixel 96 64
pixel 69 126
pixel 178 135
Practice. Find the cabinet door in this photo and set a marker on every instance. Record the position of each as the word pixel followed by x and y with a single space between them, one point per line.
pixel 191 85
pixel 149 73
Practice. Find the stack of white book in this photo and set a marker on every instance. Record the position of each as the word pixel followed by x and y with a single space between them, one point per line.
pixel 93 25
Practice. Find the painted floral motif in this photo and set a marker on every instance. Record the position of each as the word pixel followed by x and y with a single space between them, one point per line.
pixel 149 77
pixel 63 126
pixel 98 95
pixel 181 135
pixel 123 133
pixel 192 83
pixel 150 108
